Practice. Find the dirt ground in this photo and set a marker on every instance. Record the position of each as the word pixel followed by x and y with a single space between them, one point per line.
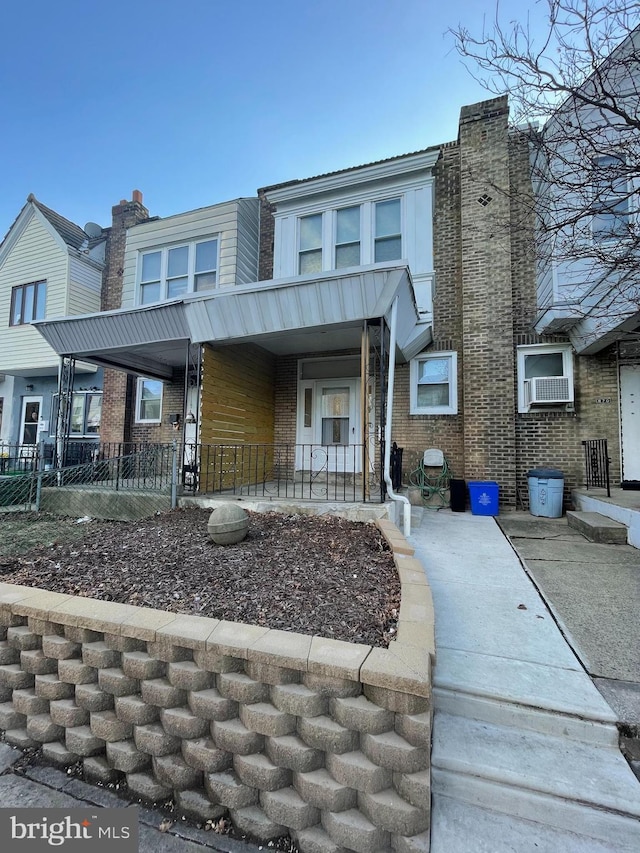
pixel 312 574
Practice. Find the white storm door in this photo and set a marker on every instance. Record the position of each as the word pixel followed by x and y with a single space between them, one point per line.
pixel 630 420
pixel 337 426
pixel 31 408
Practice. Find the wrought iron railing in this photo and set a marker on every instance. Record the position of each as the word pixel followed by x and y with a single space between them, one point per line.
pixel 342 473
pixel 596 463
pixel 302 471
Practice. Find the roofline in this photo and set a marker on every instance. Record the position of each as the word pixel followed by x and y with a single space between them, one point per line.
pixel 297 181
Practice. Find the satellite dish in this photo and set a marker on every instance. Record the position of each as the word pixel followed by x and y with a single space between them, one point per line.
pixel 93 230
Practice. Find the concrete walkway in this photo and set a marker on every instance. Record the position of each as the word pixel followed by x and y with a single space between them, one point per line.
pixel 593 591
pixel 525 754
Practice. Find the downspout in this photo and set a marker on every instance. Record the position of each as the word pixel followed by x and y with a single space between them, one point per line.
pixel 406 522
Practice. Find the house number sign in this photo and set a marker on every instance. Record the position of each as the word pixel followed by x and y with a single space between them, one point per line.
pixel 603 400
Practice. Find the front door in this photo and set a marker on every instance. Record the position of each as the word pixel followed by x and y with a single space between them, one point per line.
pixel 630 420
pixel 338 425
pixel 31 408
pixel 329 426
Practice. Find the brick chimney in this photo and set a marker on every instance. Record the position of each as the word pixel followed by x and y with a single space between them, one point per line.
pixel 118 386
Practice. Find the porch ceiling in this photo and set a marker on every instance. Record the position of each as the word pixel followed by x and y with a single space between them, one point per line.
pixel 304 314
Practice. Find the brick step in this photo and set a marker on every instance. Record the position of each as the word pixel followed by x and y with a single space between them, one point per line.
pixel 598 528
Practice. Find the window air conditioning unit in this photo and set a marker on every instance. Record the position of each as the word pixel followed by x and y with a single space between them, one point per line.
pixel 548 389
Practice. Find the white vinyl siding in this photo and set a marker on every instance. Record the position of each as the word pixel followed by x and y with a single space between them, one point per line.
pixel 234 224
pixel 412 194
pixel 84 287
pixel 36 256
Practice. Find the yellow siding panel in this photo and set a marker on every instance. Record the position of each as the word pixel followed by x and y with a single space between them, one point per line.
pixel 36 256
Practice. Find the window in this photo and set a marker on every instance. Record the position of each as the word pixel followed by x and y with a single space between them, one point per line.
pixel 310 255
pixel 173 271
pixel 610 198
pixel 347 250
pixel 28 303
pixel 388 240
pixel 545 376
pixel 434 384
pixel 86 414
pixel 148 401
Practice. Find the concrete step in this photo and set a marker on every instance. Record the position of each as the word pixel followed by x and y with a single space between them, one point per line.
pixel 523 694
pixel 462 827
pixel 598 528
pixel 549 780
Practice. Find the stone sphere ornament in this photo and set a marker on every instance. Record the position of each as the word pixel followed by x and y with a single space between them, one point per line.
pixel 228 524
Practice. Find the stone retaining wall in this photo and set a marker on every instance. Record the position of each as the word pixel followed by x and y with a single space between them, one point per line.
pixel 285 733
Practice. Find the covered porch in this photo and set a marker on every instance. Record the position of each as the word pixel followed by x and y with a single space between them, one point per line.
pixel 287 383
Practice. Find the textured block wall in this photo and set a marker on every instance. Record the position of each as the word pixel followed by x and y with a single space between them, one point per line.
pixel 285 733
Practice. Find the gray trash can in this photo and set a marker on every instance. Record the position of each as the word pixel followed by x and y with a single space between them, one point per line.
pixel 546 487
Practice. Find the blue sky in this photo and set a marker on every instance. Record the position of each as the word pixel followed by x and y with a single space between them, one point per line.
pixel 201 101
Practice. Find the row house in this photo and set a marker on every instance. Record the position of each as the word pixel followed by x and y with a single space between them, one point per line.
pixel 49 267
pixel 309 329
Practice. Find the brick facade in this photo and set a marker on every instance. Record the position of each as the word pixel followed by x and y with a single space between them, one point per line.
pixel 118 396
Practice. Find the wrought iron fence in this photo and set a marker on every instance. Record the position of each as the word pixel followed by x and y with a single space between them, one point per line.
pixel 301 471
pixel 291 471
pixel 596 463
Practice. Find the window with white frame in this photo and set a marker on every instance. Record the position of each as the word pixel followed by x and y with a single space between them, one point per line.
pixel 434 384
pixel 611 199
pixel 365 233
pixel 347 243
pixel 310 253
pixel 148 401
pixel 172 271
pixel 86 414
pixel 388 231
pixel 545 376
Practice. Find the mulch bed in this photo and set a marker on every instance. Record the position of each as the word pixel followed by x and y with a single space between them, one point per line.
pixel 312 574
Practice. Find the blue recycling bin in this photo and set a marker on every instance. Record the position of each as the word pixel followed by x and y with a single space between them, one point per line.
pixel 484 496
pixel 546 488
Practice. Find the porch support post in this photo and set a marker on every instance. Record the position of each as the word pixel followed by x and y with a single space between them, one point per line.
pixel 383 404
pixel 364 408
pixel 66 372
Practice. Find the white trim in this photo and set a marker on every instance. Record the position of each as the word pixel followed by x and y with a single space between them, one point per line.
pixel 540 349
pixel 414 366
pixel 352 177
pixel 138 419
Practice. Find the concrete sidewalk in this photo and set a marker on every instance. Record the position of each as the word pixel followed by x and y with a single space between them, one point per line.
pixel 525 749
pixel 593 591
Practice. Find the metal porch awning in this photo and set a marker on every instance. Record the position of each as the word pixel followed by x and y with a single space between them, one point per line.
pixel 305 314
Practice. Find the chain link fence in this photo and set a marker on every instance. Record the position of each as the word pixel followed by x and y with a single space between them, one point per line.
pixel 111 481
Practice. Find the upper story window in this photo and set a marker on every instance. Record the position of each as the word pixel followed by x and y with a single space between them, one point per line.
pixel 310 257
pixel 347 247
pixel 388 233
pixel 611 200
pixel 28 303
pixel 434 384
pixel 545 375
pixel 173 271
pixel 365 233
